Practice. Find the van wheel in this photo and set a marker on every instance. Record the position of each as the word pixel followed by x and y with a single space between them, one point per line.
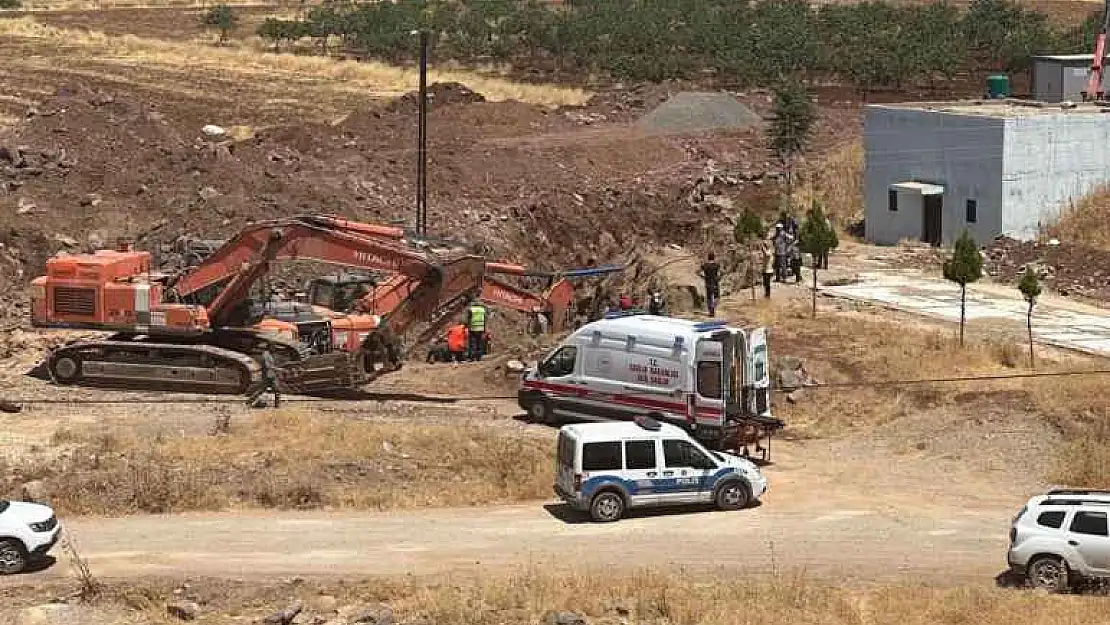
pixel 540 412
pixel 607 507
pixel 732 496
pixel 1048 573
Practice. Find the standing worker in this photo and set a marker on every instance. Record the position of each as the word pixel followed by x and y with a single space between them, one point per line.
pixel 767 255
pixel 781 242
pixel 796 260
pixel 476 328
pixel 710 271
pixel 456 342
pixel 268 381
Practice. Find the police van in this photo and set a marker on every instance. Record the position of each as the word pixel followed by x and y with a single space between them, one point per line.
pixel 607 468
pixel 706 377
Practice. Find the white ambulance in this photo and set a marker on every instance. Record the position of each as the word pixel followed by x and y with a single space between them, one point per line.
pixel 707 377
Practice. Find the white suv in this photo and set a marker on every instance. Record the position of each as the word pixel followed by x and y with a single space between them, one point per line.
pixel 1061 537
pixel 27 533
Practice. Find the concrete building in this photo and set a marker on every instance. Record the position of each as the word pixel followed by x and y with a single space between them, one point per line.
pixel 993 167
pixel 1060 77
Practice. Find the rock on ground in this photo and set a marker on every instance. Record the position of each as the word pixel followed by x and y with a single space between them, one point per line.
pixel 184 610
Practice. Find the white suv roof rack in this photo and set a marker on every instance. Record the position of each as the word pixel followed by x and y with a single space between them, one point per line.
pixel 1077 491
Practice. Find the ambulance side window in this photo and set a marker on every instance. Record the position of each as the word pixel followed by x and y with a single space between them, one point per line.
pixel 561 362
pixel 709 379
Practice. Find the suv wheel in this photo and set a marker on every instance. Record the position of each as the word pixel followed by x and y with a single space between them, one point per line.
pixel 607 507
pixel 732 496
pixel 13 558
pixel 1048 573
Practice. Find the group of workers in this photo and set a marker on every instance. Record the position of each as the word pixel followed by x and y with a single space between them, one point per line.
pixel 468 341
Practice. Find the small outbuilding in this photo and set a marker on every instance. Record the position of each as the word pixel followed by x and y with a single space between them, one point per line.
pixel 1062 77
pixel 993 167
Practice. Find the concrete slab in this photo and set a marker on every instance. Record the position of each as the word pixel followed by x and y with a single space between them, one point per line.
pixel 1062 324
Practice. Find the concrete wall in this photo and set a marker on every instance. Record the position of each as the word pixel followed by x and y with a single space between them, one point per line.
pixel 1049 161
pixel 961 152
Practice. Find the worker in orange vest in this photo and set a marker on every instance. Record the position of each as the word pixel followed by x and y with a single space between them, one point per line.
pixel 457 337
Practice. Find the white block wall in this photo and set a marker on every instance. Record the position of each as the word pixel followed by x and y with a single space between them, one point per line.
pixel 1050 161
pixel 961 152
pixel 1022 170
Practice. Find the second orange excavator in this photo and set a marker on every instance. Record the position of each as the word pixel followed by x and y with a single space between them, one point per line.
pixel 199 331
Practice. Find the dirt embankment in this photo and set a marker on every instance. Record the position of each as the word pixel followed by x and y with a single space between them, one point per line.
pixel 547 187
pixel 1067 268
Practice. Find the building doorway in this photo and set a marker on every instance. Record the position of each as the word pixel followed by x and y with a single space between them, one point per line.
pixel 932 208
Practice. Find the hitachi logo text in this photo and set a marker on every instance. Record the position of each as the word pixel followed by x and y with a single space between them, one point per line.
pixel 367 258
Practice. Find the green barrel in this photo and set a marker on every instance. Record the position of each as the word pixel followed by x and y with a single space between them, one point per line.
pixel 998 86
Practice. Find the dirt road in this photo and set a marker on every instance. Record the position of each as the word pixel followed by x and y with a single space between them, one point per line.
pixel 860 544
pixel 827 513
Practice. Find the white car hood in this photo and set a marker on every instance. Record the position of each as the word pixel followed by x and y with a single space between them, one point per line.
pixel 747 466
pixel 25 512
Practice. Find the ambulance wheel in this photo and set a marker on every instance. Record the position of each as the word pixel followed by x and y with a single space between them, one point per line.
pixel 607 507
pixel 732 495
pixel 541 412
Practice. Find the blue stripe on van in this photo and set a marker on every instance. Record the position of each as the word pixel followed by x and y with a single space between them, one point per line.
pixel 658 485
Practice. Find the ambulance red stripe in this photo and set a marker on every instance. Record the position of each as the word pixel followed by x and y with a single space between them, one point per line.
pixel 618 398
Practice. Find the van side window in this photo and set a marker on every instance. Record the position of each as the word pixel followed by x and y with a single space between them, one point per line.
pixel 639 454
pixel 709 379
pixel 561 362
pixel 1093 523
pixel 680 453
pixel 601 456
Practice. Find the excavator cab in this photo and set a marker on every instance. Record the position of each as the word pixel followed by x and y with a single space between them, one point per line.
pixel 339 292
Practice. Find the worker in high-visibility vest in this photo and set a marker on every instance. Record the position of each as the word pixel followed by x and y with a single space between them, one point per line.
pixel 457 342
pixel 476 315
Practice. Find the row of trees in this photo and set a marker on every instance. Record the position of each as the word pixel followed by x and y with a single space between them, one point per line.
pixel 871 44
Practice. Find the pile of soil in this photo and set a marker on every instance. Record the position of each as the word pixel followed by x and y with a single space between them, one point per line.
pixel 1066 268
pixel 689 112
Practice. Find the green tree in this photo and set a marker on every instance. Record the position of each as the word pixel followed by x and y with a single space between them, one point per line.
pixel 964 267
pixel 1003 34
pixel 276 31
pixel 10 4
pixel 794 117
pixel 748 226
pixel 1030 288
pixel 222 19
pixel 816 237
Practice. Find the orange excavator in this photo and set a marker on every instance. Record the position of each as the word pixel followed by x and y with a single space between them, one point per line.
pixel 201 330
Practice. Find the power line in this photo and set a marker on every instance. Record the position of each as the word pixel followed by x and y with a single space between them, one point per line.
pixel 440 399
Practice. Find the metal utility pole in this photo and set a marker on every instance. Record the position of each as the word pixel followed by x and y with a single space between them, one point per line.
pixel 422 143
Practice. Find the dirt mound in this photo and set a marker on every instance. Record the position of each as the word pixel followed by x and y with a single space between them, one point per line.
pixel 440 94
pixel 515 181
pixel 1067 268
pixel 689 112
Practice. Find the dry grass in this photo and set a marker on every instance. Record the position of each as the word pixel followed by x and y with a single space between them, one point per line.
pixel 302 77
pixel 837 182
pixel 649 596
pixel 1086 221
pixel 869 346
pixel 292 459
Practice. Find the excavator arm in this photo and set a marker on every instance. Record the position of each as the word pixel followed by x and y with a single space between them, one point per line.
pixel 245 258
